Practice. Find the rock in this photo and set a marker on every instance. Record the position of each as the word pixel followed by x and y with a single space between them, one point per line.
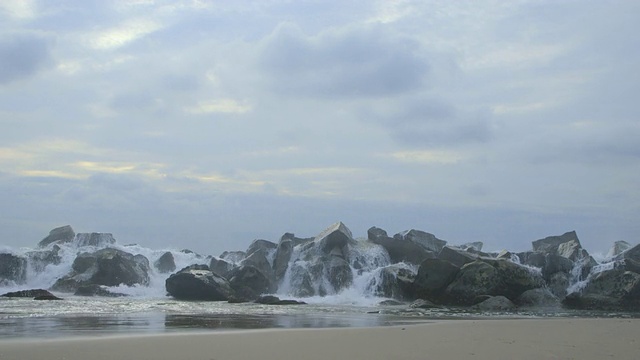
pixel 633 254
pixel 491 277
pixel 165 263
pixel 221 267
pixel 457 257
pixel 259 260
pixel 94 239
pixel 540 297
pixel 434 275
pixel 554 264
pixel 47 297
pixel 423 304
pixel 248 282
pixel 400 249
pixel 40 259
pixel 550 244
pixel 390 302
pixel 296 240
pixel 265 247
pixel 108 267
pixel 197 282
pixel 428 241
pixel 572 250
pixel 496 303
pixel 618 248
pixel 505 254
pixel 395 281
pixel 63 234
pixel 31 293
pixel 274 300
pixel 334 240
pixel 473 279
pixel 475 246
pixel 558 284
pixel 339 273
pixel 302 281
pixel 282 258
pixel 96 290
pixel 13 269
pixel 614 289
pixel 233 257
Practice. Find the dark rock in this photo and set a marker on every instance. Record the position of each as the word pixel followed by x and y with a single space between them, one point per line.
pixel 334 240
pixel 96 290
pixel 221 267
pixel 496 303
pixel 259 260
pixel 234 257
pixel 434 275
pixel 302 284
pixel 475 246
pixel 550 244
pixel 282 258
pixel 390 302
pixel 556 263
pixel 400 249
pixel 540 297
pixel 274 300
pixel 423 304
pixel 339 273
pixel 109 267
pixel 457 257
pixel 395 281
pixel 428 241
pixel 94 239
pixel 63 234
pixel 47 297
pixel 633 254
pixel 13 269
pixel 558 284
pixel 197 282
pixel 296 240
pixel 249 282
pixel 165 263
pixel 614 289
pixel 505 254
pixel 40 259
pixel 263 246
pixel 31 293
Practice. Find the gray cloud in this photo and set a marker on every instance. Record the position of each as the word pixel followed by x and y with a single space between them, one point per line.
pixel 368 61
pixel 22 56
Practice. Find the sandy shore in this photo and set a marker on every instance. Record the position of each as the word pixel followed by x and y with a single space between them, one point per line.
pixel 462 339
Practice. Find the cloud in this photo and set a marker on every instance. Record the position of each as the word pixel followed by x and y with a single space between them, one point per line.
pixel 361 62
pixel 228 106
pixel 22 55
pixel 123 34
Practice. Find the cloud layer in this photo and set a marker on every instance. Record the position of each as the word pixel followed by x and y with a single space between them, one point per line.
pixel 210 124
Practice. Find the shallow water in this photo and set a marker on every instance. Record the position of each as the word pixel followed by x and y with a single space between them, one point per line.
pixel 81 316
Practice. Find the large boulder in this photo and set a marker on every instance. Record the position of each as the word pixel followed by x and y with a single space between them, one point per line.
pixel 427 240
pixel 496 303
pixel 13 269
pixel 108 267
pixel 334 240
pixel 400 249
pixel 538 298
pixel 395 281
pixel 94 239
pixel 221 267
pixel 282 258
pixel 166 263
pixel 248 282
pixel 457 256
pixel 491 277
pixel 265 247
pixel 618 248
pixel 31 293
pixel 40 259
pixel 550 244
pixel 614 289
pixel 63 234
pixel 197 282
pixel 433 276
pixel 338 272
pixel 233 257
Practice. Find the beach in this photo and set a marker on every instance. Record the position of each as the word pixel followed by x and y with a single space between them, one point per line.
pixel 571 338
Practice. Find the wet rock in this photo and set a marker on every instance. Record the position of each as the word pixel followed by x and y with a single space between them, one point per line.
pixel 197 282
pixel 274 300
pixel 334 240
pixel 60 235
pixel 618 248
pixel 264 247
pixel 165 263
pixel 433 276
pixel 40 259
pixel 233 257
pixel 550 244
pixel 496 303
pixel 456 256
pixel 474 246
pixel 221 267
pixel 108 267
pixel 558 284
pixel 248 282
pixel 396 282
pixel 13 269
pixel 282 258
pixel 614 289
pixel 400 249
pixel 339 273
pixel 427 240
pixel 423 304
pixel 31 293
pixel 540 297
pixel 259 260
pixel 96 290
pixel 94 239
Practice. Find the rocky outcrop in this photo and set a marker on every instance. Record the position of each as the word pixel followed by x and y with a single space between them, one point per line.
pixel 613 289
pixel 60 235
pixel 197 282
pixel 94 239
pixel 428 241
pixel 166 263
pixel 221 267
pixel 36 294
pixel 434 275
pixel 13 269
pixel 40 259
pixel 282 258
pixel 233 257
pixel 396 281
pixel 248 282
pixel 264 247
pixel 400 249
pixel 108 267
pixel 618 248
pixel 456 256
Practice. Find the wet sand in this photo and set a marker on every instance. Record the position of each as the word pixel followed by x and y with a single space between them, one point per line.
pixel 459 339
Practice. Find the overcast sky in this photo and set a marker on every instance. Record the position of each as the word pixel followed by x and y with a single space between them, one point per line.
pixel 207 124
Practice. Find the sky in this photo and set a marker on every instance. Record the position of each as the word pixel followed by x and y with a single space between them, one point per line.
pixel 208 124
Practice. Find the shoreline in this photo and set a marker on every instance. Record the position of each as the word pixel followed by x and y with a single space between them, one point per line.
pixel 566 338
